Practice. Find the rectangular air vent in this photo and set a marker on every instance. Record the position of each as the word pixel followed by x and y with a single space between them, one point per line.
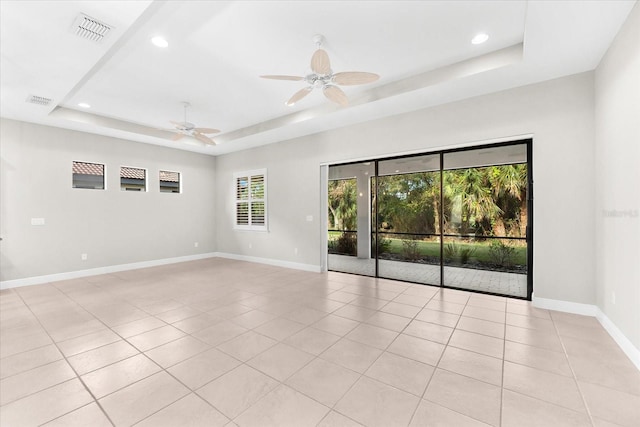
pixel 39 100
pixel 90 28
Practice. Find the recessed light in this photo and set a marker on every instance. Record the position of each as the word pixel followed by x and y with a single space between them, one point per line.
pixel 480 38
pixel 159 41
pixel 84 105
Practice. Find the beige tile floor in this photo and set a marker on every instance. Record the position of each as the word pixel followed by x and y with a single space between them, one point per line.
pixel 219 342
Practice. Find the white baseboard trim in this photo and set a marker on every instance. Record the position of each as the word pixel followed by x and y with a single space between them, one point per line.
pixel 275 262
pixel 566 306
pixel 623 342
pixel 38 280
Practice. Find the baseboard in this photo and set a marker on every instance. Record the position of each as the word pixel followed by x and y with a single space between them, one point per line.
pixel 38 280
pixel 275 262
pixel 623 342
pixel 566 306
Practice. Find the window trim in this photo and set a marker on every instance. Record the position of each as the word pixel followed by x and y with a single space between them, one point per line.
pixel 250 227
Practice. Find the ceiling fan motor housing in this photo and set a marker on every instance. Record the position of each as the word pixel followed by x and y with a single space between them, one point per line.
pixel 319 80
pixel 185 126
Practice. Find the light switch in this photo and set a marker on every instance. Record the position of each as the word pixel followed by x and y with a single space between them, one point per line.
pixel 309 218
pixel 37 221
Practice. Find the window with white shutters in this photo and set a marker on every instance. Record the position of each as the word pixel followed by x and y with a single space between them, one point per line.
pixel 251 200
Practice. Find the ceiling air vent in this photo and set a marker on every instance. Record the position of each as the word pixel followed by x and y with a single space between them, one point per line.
pixel 90 28
pixel 38 100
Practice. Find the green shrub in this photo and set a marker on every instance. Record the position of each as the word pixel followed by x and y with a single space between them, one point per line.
pixel 451 251
pixel 347 244
pixel 410 250
pixel 501 253
pixel 384 245
pixel 466 253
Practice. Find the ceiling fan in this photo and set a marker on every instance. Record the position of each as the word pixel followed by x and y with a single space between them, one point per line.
pixel 322 77
pixel 189 129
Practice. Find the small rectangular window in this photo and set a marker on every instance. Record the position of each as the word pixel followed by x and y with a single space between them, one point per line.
pixel 88 175
pixel 251 200
pixel 133 179
pixel 169 182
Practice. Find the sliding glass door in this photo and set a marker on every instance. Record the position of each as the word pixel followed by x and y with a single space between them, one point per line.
pixel 349 219
pixel 486 218
pixel 408 220
pixel 457 218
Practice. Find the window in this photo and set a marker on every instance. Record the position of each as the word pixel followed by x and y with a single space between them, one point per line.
pixel 169 182
pixel 251 200
pixel 88 175
pixel 133 179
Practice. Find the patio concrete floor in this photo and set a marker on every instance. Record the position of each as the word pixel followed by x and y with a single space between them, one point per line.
pixel 497 282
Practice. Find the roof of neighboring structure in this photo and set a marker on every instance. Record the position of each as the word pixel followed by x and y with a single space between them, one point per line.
pixel 88 168
pixel 133 173
pixel 169 176
pixel 125 172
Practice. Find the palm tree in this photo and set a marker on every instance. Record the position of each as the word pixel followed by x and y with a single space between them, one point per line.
pixel 509 184
pixel 468 191
pixel 343 204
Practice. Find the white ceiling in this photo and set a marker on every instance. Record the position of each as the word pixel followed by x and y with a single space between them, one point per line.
pixel 217 50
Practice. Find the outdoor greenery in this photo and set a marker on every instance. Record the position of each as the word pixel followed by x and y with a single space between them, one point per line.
pixel 489 201
pixel 477 204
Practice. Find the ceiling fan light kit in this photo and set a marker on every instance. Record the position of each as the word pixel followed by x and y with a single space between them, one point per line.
pixel 322 77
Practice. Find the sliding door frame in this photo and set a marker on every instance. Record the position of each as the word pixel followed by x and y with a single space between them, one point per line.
pixel 529 228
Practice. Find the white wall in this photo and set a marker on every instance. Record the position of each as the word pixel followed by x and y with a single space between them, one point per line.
pixel 112 227
pixel 617 166
pixel 560 114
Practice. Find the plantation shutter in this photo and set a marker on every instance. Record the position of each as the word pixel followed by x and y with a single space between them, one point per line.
pixel 251 203
pixel 242 200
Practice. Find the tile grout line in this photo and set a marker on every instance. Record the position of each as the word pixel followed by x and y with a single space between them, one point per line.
pixel 575 378
pixel 70 366
pixel 315 357
pixel 504 349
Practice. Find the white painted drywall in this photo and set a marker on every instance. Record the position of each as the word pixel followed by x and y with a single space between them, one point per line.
pixel 560 114
pixel 111 226
pixel 617 166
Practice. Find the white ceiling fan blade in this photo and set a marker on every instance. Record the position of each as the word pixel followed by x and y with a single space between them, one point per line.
pixel 294 78
pixel 335 94
pixel 320 63
pixel 203 138
pixel 354 78
pixel 299 95
pixel 206 130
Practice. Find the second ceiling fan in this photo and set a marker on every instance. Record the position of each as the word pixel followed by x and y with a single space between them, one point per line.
pixel 186 128
pixel 322 77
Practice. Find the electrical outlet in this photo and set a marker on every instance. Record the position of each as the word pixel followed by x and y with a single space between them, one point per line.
pixel 295 251
pixel 83 257
pixel 250 245
pixel 37 221
pixel 195 244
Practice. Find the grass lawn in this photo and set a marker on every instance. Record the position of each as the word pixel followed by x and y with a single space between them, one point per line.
pixel 480 250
